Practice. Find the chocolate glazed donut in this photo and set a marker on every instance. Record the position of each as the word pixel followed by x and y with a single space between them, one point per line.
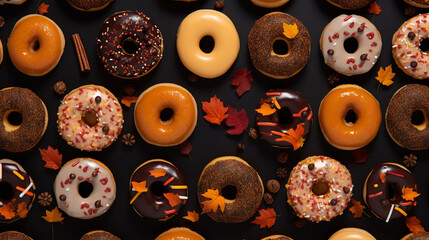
pixel 289 109
pixel 153 203
pixel 350 4
pixel 384 199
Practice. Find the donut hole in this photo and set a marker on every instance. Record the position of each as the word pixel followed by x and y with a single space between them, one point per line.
pixel 350 118
pixel 12 119
pixel 34 46
pixel 393 191
pixel 320 188
pixel 166 115
pixel 351 45
pixel 130 46
pixel 207 44
pixel 158 189
pixel 424 45
pixel 90 118
pixel 85 189
pixel 285 116
pixel 6 192
pixel 280 47
pixel 418 119
pixel 229 192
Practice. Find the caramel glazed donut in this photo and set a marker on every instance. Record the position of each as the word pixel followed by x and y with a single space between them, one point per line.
pixel 129 44
pixel 238 181
pixel 416 236
pixel 418 3
pixel 179 233
pixel 99 235
pixel 90 118
pixel 17 189
pixel 13 235
pixel 17 103
pixel 288 109
pixel 337 32
pixel 378 190
pixel 319 188
pixel 406 47
pixel 277 237
pixel 153 203
pixel 269 29
pixel 352 234
pixel 407 117
pixel 36 45
pixel 70 179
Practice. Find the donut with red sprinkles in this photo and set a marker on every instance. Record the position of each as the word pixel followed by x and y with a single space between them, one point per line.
pixel 129 44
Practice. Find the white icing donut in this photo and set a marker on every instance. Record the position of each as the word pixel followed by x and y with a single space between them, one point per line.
pixel 406 42
pixel 66 188
pixel 107 113
pixel 332 44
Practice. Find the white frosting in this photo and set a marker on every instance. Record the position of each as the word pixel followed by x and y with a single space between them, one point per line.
pixel 406 50
pixel 104 188
pixel 342 28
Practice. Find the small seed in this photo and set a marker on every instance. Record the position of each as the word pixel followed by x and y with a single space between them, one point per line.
pixel 311 166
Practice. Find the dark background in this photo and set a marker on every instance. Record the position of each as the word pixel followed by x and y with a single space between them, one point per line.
pixel 209 141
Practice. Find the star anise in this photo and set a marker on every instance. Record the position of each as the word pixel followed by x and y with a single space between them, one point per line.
pixel 332 78
pixel 410 160
pixel 128 139
pixel 410 11
pixel 45 199
pixel 281 172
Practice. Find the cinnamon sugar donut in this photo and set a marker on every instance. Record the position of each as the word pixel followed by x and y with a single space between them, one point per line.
pixel 418 3
pixel 269 3
pixel 416 236
pixel 277 237
pixel 13 235
pixel 350 4
pixel 99 235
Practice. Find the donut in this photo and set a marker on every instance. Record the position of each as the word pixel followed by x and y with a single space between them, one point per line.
pixel 129 44
pixel 36 45
pixel 349 4
pixel 15 2
pixel 352 234
pixel 269 3
pixel 287 109
pixel 267 31
pixel 406 47
pixel 237 182
pixel 342 131
pixel 90 118
pixel 17 190
pixel 99 235
pixel 277 237
pixel 24 119
pixel 163 181
pixel 84 188
pixel 13 235
pixel 409 101
pixel 416 236
pixel 338 33
pixel 165 114
pixel 179 233
pixel 383 191
pixel 418 3
pixel 319 188
pixel 211 23
pixel 1 52
pixel 89 5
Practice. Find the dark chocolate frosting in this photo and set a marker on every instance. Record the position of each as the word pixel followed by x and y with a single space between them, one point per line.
pixel 13 235
pixel 298 109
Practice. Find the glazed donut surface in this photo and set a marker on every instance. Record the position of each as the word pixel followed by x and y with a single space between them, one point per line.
pixel 352 234
pixel 269 3
pixel 179 233
pixel 99 235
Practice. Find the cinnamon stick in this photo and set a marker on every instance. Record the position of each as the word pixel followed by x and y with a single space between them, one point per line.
pixel 81 53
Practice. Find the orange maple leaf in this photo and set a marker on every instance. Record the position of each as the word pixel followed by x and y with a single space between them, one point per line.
pixel 53 216
pixel 51 157
pixel 215 110
pixel 289 30
pixel 43 8
pixel 374 8
pixel 267 218
pixel 192 216
pixel 357 208
pixel 173 199
pixel 409 194
pixel 22 210
pixel 292 136
pixel 215 201
pixel 159 172
pixel 413 223
pixel 139 186
pixel 8 211
pixel 265 109
pixel 128 100
pixel 385 76
pixel 383 177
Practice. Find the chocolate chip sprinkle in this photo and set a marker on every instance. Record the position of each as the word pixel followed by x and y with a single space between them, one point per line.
pixel 63 197
pixel 411 35
pixel 98 99
pixel 95 173
pixel 105 129
pixel 218 5
pixel 311 166
pixel 330 52
pixel 346 190
pixel 333 202
pixel 97 203
pixel 413 64
pixel 363 57
pixel 361 28
pixel 72 176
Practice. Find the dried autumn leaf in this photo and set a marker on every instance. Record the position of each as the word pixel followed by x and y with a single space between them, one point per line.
pixel 215 201
pixel 357 208
pixel 185 148
pixel 290 31
pixel 409 194
pixel 215 110
pixel 292 136
pixel 237 120
pixel 266 109
pixel 22 210
pixel 242 79
pixel 374 8
pixel 383 177
pixel 192 216
pixel 139 186
pixel 159 172
pixel 8 211
pixel 385 76
pixel 128 100
pixel 413 223
pixel 267 218
pixel 53 216
pixel 173 199
pixel 52 158
pixel 360 155
pixel 43 8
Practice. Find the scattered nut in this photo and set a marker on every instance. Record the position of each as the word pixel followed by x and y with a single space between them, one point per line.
pixel 241 147
pixel 130 90
pixel 273 186
pixel 45 199
pixel 268 198
pixel 281 172
pixel 218 5
pixel 282 157
pixel 60 87
pixel 128 139
pixel 253 133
